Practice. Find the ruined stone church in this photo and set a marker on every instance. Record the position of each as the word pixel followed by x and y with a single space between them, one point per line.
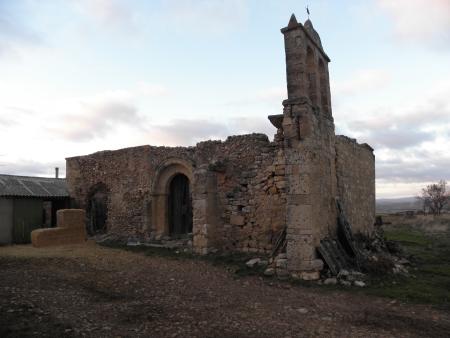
pixel 241 194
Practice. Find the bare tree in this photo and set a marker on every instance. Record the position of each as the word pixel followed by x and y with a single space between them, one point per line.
pixel 434 197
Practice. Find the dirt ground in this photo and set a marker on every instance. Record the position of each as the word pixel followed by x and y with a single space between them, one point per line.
pixel 94 291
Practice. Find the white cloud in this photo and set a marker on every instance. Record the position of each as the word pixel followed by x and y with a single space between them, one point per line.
pixel 149 89
pixel 108 12
pixel 273 94
pixel 96 120
pixel 187 132
pixel 411 140
pixel 423 164
pixel 208 16
pixel 6 122
pixel 26 167
pixel 422 119
pixel 420 20
pixel 101 114
pixel 361 81
pixel 248 125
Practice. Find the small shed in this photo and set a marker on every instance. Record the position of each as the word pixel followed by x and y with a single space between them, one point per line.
pixel 28 203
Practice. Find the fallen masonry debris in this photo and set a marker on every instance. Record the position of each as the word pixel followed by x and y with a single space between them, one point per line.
pixel 349 259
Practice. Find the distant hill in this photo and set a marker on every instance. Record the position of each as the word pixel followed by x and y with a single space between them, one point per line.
pixel 392 205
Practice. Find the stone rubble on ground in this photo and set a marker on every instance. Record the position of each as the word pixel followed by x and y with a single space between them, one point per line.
pixel 330 281
pixel 359 283
pixel 269 272
pixel 253 262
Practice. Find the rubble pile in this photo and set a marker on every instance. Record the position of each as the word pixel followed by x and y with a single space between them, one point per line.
pixel 349 260
pixel 165 242
pixel 352 260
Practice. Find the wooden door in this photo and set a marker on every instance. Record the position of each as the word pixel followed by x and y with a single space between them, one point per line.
pixel 180 206
pixel 97 213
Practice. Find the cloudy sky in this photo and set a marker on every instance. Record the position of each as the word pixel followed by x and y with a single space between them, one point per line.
pixel 79 76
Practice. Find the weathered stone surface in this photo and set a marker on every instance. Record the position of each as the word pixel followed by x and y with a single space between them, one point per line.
pixel 359 283
pixel 237 220
pixel 330 281
pixel 269 272
pixel 281 263
pixel 309 275
pixel 355 166
pixel 345 283
pixel 303 311
pixel 253 262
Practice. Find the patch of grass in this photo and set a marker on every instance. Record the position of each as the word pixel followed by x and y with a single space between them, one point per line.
pixel 407 236
pixel 430 274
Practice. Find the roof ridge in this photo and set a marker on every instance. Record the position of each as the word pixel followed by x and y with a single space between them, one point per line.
pixel 33 177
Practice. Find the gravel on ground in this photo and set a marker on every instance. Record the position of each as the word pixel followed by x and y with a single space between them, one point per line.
pixel 93 291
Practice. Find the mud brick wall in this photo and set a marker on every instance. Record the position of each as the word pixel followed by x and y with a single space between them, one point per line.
pixel 355 166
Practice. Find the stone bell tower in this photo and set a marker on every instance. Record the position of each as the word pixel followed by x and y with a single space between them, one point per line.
pixel 307 66
pixel 306 134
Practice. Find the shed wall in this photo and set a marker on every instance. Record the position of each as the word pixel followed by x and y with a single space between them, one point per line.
pixel 6 221
pixel 28 216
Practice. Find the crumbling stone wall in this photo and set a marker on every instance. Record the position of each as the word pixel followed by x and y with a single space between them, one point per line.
pixel 238 190
pixel 355 165
pixel 251 191
pixel 128 175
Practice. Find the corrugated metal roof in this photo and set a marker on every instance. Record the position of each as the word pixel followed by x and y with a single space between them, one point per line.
pixel 25 186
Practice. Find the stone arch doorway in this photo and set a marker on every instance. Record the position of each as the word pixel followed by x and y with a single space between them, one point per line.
pixel 179 206
pixel 173 185
pixel 97 209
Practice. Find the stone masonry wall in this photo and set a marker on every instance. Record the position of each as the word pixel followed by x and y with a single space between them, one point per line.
pixel 355 166
pixel 251 186
pixel 243 177
pixel 128 176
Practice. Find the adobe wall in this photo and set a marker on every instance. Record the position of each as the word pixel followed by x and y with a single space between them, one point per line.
pixel 238 190
pixel 355 167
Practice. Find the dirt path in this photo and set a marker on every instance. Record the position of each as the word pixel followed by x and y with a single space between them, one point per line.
pixel 99 292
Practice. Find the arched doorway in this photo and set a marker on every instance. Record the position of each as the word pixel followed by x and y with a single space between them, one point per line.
pixel 179 206
pixel 173 178
pixel 97 210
